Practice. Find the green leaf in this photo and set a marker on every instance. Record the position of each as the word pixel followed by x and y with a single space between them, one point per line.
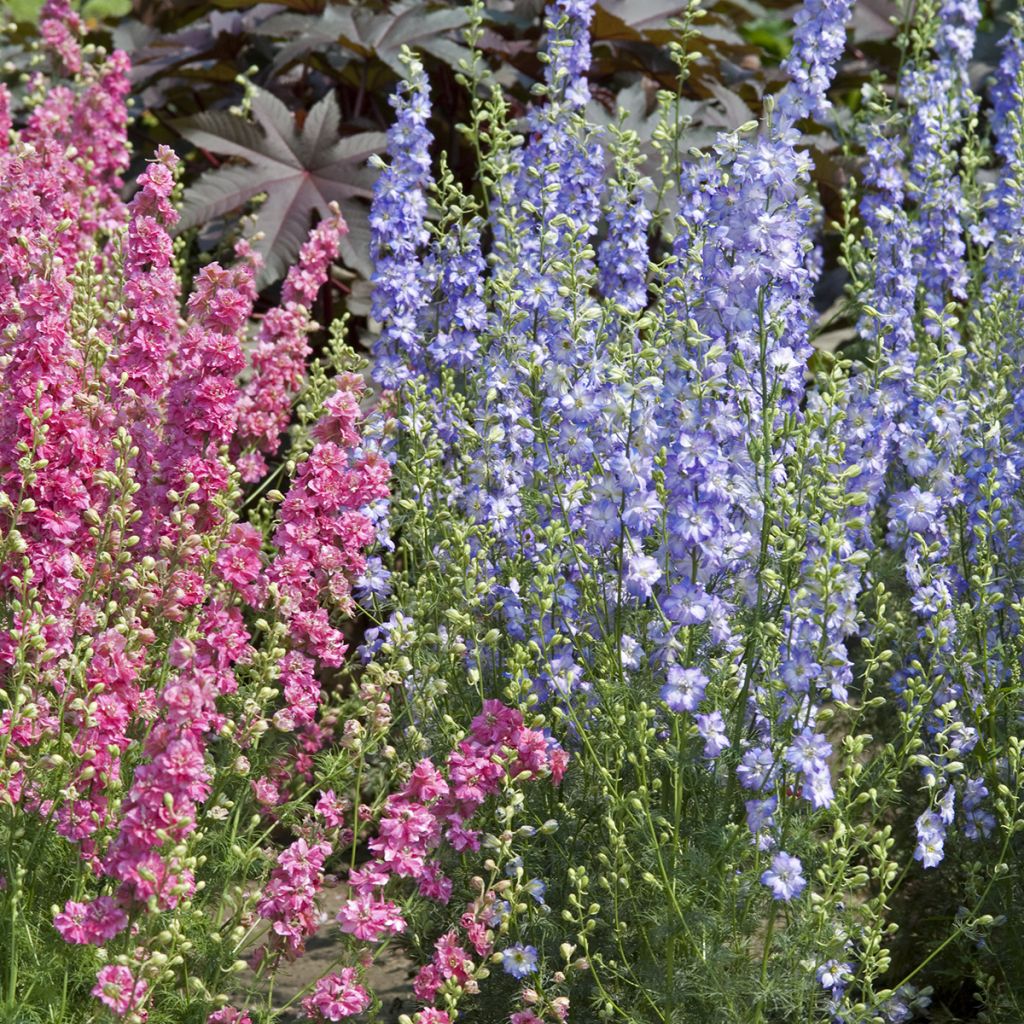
pixel 771 34
pixel 24 10
pixel 101 10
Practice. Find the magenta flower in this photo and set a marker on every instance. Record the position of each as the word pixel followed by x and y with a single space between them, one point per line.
pixel 118 988
pixel 229 1015
pixel 432 1016
pixel 369 919
pixel 289 900
pixel 94 923
pixel 336 996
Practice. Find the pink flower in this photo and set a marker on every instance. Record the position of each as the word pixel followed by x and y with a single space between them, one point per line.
pixel 106 920
pixel 301 692
pixel 331 809
pixel 337 996
pixel 368 918
pixel 451 959
pixel 180 652
pixel 427 982
pixel 435 885
pixel 229 1015
pixel 432 1016
pixel 559 762
pixel 59 27
pixel 341 413
pixel 322 537
pixel 139 410
pixel 93 923
pixel 477 931
pixel 239 562
pixel 289 900
pixel 461 839
pixel 426 783
pixel 117 988
pixel 370 876
pixel 266 792
pixel 496 724
pixel 279 358
pixel 71 923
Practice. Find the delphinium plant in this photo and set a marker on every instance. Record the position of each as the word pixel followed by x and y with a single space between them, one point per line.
pixel 769 601
pixel 168 756
pixel 187 502
pixel 694 690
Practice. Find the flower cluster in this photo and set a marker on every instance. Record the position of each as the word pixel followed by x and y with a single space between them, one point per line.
pixel 143 618
pixel 725 568
pixel 278 362
pixel 397 221
pixel 636 516
pixel 336 996
pixel 426 822
pixel 431 812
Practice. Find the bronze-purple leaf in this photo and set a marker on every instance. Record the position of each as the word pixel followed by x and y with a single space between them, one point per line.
pixel 301 171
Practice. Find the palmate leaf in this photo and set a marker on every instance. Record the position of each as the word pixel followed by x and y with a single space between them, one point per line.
pixel 305 34
pixel 380 34
pixel 632 19
pixel 408 24
pixel 300 171
pixel 202 51
pixel 649 20
pixel 872 20
pixel 307 6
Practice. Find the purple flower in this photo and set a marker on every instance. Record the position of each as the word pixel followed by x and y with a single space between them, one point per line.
pixel 977 821
pixel 642 572
pixel 818 43
pixel 931 834
pixel 630 652
pixel 684 689
pixel 501 911
pixel 712 730
pixel 808 751
pixel 397 233
pixel 940 100
pixel 566 676
pixel 623 255
pixel 536 888
pixel 799 670
pixel 457 265
pixel 785 877
pixel 916 455
pixel 946 806
pixel 569 50
pixel 760 818
pixel 918 510
pixel 375 581
pixel 686 605
pixel 834 976
pixel 519 960
pixel 755 767
pixel 818 787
